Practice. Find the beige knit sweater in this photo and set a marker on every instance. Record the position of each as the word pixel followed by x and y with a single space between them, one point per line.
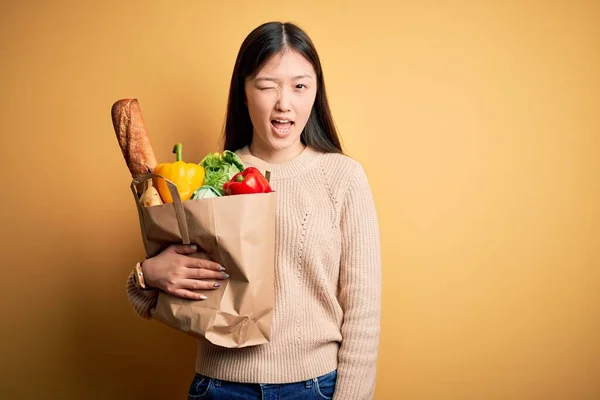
pixel 327 282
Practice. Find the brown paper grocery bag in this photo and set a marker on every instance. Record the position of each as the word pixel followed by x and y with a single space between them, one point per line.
pixel 236 231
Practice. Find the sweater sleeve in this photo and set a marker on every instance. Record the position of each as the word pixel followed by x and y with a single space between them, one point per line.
pixel 360 292
pixel 142 301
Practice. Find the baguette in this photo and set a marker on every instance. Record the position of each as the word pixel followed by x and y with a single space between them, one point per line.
pixel 133 137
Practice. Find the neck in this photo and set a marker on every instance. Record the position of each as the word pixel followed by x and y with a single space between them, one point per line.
pixel 276 156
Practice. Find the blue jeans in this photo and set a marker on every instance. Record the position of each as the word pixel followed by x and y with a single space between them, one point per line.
pixel 205 388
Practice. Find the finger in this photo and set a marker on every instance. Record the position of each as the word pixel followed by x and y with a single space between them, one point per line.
pixel 195 284
pixel 184 248
pixel 205 264
pixel 188 294
pixel 202 273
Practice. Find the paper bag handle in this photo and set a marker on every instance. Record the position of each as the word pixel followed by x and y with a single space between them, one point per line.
pixel 177 204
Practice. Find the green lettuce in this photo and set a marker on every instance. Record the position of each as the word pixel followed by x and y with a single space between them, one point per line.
pixel 220 168
pixel 205 192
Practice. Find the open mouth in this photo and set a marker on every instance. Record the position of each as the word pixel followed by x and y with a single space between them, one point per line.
pixel 282 125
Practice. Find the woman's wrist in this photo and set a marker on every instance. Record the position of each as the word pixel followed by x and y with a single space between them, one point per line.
pixel 140 277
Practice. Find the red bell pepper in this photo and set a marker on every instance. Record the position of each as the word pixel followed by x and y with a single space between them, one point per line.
pixel 249 181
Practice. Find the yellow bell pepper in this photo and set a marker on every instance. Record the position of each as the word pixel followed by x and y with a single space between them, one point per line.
pixel 187 176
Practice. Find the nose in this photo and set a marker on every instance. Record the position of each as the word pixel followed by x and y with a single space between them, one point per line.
pixel 284 101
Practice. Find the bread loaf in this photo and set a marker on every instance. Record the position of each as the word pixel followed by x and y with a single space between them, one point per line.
pixel 133 137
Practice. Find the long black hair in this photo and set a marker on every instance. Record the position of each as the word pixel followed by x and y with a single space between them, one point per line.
pixel 260 45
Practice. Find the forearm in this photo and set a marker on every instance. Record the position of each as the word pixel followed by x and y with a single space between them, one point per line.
pixel 142 301
pixel 357 365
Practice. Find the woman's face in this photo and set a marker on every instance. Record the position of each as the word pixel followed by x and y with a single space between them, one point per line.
pixel 280 99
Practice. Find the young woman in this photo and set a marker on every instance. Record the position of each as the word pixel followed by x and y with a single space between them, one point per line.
pixel 326 320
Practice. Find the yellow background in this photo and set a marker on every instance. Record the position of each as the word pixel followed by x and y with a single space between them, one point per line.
pixel 478 125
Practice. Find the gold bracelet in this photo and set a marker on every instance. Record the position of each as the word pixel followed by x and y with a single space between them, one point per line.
pixel 138 277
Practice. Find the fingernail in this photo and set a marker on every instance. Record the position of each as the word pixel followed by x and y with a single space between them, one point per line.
pixel 202 297
pixel 221 268
pixel 217 284
pixel 224 276
pixel 194 247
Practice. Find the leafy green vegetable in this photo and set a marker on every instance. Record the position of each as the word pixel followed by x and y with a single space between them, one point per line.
pixel 205 192
pixel 220 168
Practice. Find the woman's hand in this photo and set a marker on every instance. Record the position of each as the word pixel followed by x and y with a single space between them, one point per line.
pixel 174 272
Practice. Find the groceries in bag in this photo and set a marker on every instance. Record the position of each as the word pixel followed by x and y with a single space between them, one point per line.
pixel 230 215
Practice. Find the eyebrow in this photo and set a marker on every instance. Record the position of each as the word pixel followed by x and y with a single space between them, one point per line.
pixel 266 78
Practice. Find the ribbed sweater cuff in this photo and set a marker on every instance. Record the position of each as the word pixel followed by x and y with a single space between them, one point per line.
pixel 142 301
